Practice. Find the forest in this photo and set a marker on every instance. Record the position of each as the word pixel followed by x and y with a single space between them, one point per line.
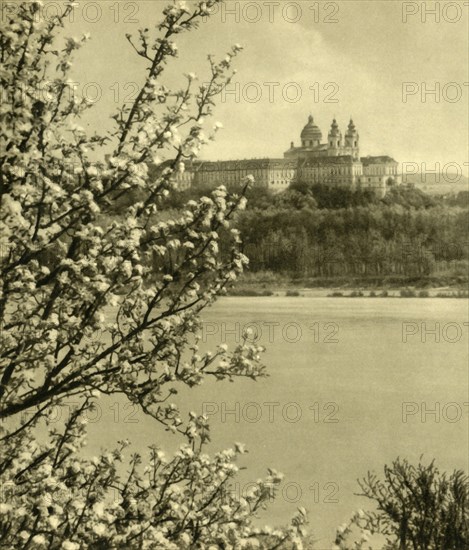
pixel 323 235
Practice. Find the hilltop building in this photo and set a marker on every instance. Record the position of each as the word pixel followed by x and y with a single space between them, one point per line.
pixel 335 162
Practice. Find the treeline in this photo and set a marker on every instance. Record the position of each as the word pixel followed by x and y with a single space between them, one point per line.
pixel 316 231
pixel 377 240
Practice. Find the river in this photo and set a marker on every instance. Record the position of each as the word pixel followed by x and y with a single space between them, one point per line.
pixel 354 383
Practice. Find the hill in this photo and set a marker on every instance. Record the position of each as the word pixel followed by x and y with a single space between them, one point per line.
pixel 438 184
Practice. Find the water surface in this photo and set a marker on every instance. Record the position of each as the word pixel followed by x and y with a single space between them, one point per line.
pixel 351 387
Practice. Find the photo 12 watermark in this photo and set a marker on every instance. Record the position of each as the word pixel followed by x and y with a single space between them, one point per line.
pixel 269 12
pixel 434 412
pixel 89 92
pixel 116 413
pixel 434 92
pixel 276 92
pixel 434 12
pixel 269 332
pixel 73 11
pixel 291 492
pixel 436 172
pixel 271 412
pixel 450 332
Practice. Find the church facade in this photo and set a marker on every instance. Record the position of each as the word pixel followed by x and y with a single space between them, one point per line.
pixel 335 162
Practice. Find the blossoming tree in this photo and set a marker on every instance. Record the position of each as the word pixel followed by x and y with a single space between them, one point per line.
pixel 97 299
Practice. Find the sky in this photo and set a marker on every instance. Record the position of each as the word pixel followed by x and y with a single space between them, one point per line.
pixel 377 61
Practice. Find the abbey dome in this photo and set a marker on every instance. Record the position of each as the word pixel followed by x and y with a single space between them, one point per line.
pixel 311 134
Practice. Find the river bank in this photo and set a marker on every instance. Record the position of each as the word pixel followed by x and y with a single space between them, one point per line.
pixel 269 284
pixel 444 292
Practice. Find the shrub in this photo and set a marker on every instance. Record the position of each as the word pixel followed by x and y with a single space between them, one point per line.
pixel 292 293
pixel 418 507
pixel 407 293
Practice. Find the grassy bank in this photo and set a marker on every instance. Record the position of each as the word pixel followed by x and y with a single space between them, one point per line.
pixel 271 284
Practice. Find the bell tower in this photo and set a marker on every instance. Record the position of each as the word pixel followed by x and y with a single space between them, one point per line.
pixel 352 140
pixel 334 139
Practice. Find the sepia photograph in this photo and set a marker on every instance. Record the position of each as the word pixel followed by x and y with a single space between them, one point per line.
pixel 234 257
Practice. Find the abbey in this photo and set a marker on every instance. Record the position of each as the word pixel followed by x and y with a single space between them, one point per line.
pixel 335 162
pixel 338 161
